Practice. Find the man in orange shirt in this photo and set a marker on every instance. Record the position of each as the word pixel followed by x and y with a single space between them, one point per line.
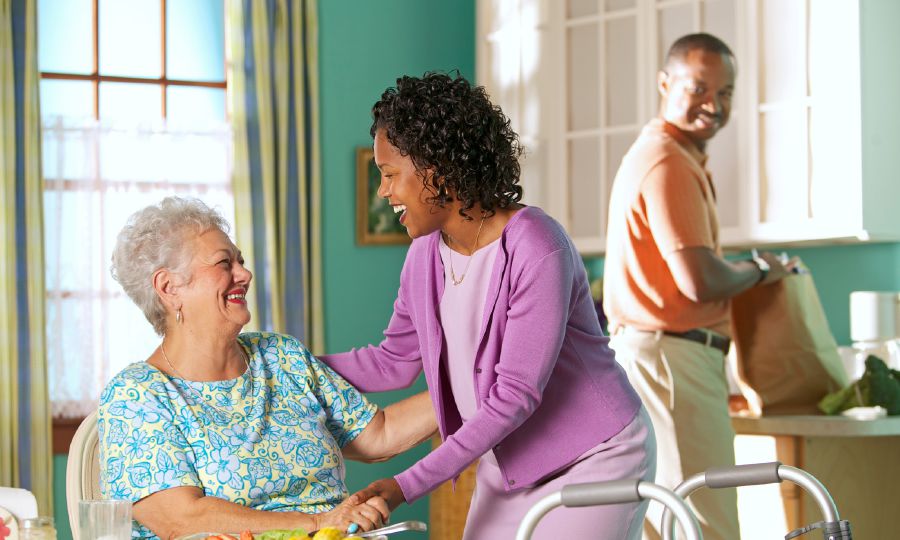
pixel 666 285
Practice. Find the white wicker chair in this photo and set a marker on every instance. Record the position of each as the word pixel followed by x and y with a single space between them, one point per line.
pixel 83 469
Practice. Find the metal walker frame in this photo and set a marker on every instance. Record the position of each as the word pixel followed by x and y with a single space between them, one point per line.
pixel 833 528
pixel 615 492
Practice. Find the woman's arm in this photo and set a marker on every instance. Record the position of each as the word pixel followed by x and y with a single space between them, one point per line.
pixel 184 510
pixel 394 430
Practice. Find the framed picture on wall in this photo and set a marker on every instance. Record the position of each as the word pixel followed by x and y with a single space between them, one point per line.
pixel 376 222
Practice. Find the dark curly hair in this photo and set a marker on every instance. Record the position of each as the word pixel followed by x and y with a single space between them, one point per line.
pixel 445 124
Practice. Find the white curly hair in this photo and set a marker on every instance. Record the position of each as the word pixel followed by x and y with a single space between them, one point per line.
pixel 156 237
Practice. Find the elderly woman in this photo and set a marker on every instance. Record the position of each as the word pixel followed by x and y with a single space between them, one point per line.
pixel 223 431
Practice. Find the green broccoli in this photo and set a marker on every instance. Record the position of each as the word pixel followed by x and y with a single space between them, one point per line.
pixel 879 385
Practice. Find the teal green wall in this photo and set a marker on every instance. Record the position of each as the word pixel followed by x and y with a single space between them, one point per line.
pixel 60 512
pixel 364 47
pixel 837 271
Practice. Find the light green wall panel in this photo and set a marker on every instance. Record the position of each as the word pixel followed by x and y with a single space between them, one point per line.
pixel 60 510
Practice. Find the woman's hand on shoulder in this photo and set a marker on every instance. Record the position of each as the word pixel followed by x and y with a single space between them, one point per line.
pixel 387 489
pixel 370 514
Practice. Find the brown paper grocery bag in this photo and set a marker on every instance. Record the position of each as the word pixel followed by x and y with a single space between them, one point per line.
pixel 787 358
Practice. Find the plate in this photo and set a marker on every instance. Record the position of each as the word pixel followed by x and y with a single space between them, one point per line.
pixel 865 413
pixel 7 520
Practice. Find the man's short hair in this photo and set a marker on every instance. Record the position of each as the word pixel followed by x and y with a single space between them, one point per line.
pixel 703 41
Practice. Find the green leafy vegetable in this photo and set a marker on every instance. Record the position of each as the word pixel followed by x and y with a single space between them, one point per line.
pixel 280 534
pixel 879 385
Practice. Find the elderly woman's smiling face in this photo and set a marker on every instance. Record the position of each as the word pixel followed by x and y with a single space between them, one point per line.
pixel 216 294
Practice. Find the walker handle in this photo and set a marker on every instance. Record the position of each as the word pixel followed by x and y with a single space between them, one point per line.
pixel 596 493
pixel 743 475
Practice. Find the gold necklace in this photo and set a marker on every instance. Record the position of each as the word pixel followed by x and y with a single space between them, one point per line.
pixel 196 393
pixel 471 253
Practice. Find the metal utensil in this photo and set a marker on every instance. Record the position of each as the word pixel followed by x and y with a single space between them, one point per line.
pixel 395 528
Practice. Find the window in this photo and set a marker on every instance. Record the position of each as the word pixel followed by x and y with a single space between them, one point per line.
pixel 133 102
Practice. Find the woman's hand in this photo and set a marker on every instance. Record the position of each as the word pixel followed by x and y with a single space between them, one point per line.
pixel 369 515
pixel 387 489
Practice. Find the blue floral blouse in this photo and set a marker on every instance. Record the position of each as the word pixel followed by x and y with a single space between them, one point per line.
pixel 270 439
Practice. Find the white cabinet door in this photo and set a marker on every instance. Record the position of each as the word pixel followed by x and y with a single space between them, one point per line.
pixel 809 177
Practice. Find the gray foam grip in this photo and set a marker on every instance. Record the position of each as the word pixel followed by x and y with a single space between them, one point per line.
pixel 596 493
pixel 743 475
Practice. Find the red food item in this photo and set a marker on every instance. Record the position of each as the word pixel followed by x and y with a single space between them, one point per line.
pixel 246 535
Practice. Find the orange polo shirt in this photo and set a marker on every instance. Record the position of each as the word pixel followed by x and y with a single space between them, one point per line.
pixel 662 201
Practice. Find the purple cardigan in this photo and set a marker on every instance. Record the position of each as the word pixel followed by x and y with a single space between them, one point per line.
pixel 549 386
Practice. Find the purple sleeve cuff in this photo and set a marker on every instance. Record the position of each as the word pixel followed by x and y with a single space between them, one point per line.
pixel 407 483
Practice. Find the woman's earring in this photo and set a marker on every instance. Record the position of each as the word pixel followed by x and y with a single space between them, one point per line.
pixel 178 317
pixel 442 194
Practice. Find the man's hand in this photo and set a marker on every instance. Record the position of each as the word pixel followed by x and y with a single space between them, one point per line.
pixel 386 488
pixel 703 276
pixel 778 269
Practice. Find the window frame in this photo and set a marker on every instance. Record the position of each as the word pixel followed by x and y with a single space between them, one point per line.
pixel 162 81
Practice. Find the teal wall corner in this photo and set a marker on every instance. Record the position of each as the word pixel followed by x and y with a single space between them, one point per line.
pixel 363 48
pixel 60 510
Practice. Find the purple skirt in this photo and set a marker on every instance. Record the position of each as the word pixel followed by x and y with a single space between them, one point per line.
pixel 631 453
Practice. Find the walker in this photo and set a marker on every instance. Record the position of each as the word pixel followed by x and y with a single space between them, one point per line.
pixel 615 492
pixel 833 528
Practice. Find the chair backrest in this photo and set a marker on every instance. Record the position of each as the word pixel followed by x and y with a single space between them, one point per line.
pixel 83 469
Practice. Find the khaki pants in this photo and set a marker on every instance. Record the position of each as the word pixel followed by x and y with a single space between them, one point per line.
pixel 682 384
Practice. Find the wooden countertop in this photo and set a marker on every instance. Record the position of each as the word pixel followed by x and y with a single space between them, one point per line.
pixel 816 426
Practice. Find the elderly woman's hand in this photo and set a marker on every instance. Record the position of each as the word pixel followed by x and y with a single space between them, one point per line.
pixel 368 515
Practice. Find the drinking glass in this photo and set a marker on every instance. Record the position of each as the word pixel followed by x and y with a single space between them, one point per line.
pixel 39 528
pixel 104 520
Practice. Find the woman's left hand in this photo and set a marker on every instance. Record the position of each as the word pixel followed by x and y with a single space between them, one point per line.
pixel 386 488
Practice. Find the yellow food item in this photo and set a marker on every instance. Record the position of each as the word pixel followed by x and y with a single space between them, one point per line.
pixel 304 537
pixel 328 533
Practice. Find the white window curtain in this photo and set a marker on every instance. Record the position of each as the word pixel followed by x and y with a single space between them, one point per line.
pixel 96 175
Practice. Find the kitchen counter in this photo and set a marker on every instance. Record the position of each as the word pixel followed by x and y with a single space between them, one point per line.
pixel 817 426
pixel 858 461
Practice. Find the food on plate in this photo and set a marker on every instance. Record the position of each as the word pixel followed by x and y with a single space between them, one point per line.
pixel 281 534
pixel 326 533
